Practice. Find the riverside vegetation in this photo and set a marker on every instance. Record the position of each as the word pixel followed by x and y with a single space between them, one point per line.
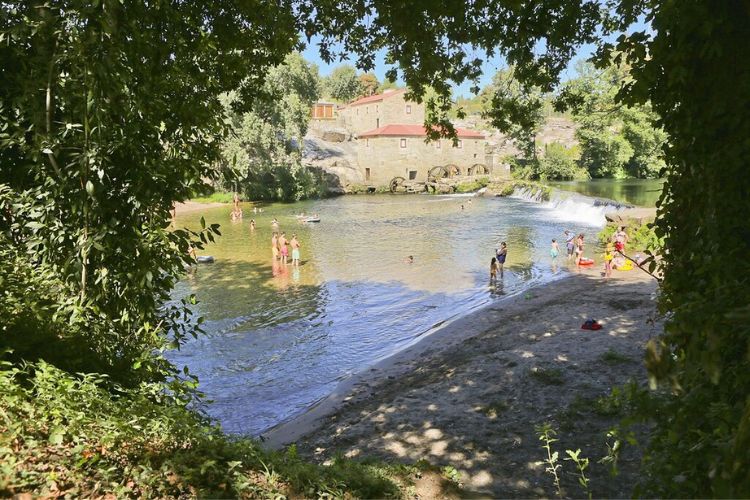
pixel 103 126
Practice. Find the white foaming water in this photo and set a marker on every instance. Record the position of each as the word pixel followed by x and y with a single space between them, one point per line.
pixel 567 206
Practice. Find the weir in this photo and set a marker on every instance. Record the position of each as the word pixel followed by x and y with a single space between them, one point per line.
pixel 571 206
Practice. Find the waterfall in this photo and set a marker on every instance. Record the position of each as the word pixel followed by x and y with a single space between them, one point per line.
pixel 567 206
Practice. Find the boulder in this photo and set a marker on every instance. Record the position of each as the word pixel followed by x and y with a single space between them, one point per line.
pixel 631 216
pixel 331 136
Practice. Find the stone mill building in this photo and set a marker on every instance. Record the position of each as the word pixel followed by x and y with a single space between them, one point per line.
pixel 390 144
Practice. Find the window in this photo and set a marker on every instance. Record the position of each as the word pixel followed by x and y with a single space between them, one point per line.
pixel 408 109
pixel 403 143
pixel 437 144
pixel 367 174
pixel 412 175
pixel 367 143
pixel 475 155
pixel 377 122
pixel 460 144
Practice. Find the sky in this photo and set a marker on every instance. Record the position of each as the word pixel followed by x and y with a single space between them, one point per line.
pixel 489 67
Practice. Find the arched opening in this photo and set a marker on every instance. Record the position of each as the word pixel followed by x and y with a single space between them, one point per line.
pixel 478 169
pixel 436 173
pixel 453 170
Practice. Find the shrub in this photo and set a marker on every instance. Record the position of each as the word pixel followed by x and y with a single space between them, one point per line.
pixel 65 435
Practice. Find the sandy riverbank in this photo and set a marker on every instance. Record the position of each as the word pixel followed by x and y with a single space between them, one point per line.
pixel 193 206
pixel 471 394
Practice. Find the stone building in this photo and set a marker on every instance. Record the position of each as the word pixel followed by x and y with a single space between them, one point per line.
pixel 375 111
pixel 323 110
pixel 400 150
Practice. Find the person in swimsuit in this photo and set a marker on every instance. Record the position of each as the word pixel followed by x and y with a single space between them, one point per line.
pixel 284 252
pixel 501 254
pixel 554 250
pixel 252 224
pixel 621 237
pixel 282 244
pixel 579 249
pixel 608 256
pixel 275 246
pixel 493 270
pixel 569 245
pixel 295 250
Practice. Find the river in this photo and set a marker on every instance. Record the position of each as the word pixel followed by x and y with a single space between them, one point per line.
pixel 640 192
pixel 278 339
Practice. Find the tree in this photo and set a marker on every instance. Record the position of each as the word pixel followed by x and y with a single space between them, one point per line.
pixel 560 163
pixel 109 114
pixel 616 140
pixel 688 67
pixel 263 150
pixel 388 85
pixel 369 84
pixel 343 84
pixel 515 109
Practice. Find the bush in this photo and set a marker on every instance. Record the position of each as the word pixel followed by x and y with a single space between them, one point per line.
pixel 640 238
pixel 65 435
pixel 471 186
pixel 560 163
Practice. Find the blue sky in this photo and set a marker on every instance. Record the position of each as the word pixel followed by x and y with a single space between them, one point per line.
pixel 489 67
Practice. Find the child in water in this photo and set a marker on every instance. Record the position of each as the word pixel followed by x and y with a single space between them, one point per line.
pixel 493 270
pixel 554 250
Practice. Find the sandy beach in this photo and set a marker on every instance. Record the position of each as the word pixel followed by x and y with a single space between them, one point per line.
pixel 470 395
pixel 193 206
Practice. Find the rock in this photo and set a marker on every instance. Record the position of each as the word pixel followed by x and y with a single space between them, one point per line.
pixel 331 136
pixel 631 216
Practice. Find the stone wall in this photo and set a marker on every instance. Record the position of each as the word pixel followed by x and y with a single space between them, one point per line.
pixel 386 158
pixel 392 108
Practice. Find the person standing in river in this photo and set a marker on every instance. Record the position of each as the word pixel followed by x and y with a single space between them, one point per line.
pixel 579 249
pixel 501 254
pixel 569 243
pixel 275 246
pixel 295 250
pixel 554 251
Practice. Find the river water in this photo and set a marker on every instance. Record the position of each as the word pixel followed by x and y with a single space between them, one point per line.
pixel 279 338
pixel 640 192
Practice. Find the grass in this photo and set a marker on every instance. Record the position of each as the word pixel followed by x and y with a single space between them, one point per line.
pixel 602 406
pixel 612 357
pixel 217 197
pixel 472 186
pixel 494 409
pixel 547 376
pixel 66 435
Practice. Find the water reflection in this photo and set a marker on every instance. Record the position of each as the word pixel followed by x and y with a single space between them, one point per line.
pixel 280 338
pixel 640 192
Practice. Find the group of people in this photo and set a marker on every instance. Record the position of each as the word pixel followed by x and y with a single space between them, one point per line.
pixel 280 247
pixel 498 261
pixel 614 256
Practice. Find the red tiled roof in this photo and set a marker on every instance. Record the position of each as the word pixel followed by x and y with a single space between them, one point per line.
pixel 376 97
pixel 415 131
